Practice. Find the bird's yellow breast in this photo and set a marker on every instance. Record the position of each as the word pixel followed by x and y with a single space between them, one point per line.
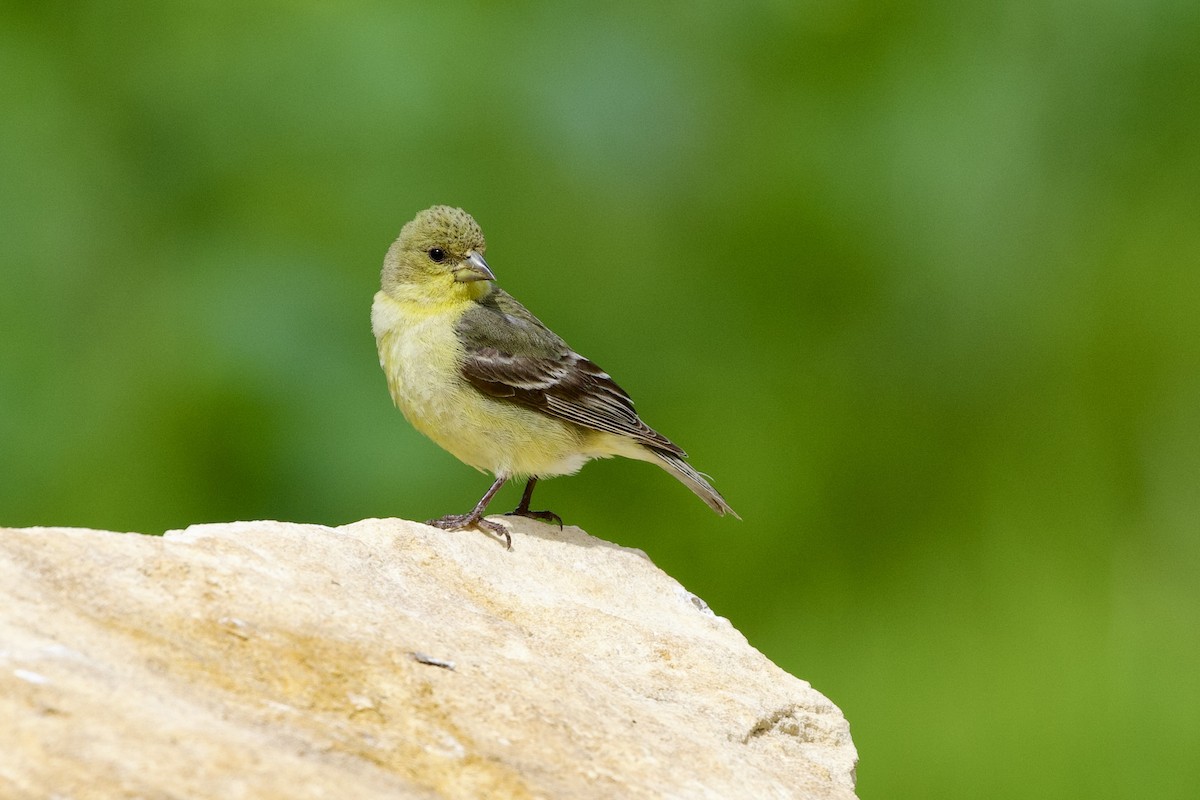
pixel 422 358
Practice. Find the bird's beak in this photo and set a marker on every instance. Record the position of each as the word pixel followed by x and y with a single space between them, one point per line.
pixel 473 268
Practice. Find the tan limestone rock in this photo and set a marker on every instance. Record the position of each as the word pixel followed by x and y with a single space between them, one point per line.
pixel 385 659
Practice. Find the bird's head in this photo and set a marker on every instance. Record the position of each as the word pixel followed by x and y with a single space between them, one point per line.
pixel 438 257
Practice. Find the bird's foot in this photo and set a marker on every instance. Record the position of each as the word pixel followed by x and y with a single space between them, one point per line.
pixel 458 522
pixel 544 516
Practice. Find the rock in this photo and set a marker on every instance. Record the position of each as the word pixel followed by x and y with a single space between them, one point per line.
pixel 385 659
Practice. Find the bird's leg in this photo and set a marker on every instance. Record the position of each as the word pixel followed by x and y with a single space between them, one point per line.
pixel 456 522
pixel 523 509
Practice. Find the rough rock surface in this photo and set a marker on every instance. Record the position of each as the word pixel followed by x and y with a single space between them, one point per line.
pixel 385 659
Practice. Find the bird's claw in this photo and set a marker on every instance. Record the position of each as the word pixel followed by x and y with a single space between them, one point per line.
pixel 458 522
pixel 544 516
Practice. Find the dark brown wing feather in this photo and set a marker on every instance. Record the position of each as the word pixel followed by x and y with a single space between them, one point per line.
pixel 510 355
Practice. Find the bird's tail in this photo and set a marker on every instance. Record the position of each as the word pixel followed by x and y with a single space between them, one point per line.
pixel 692 479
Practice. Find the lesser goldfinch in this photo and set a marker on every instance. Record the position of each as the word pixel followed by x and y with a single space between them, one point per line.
pixel 478 374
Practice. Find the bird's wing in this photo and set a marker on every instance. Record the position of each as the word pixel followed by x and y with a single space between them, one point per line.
pixel 511 355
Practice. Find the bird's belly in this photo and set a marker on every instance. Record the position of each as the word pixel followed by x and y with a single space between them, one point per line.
pixel 420 356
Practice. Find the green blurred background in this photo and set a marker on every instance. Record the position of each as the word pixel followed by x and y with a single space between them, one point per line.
pixel 918 283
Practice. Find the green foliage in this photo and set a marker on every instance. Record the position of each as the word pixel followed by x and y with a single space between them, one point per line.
pixel 916 283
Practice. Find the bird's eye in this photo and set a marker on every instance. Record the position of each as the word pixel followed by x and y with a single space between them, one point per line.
pixel 437 255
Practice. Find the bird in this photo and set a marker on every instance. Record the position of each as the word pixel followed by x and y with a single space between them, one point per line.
pixel 472 369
